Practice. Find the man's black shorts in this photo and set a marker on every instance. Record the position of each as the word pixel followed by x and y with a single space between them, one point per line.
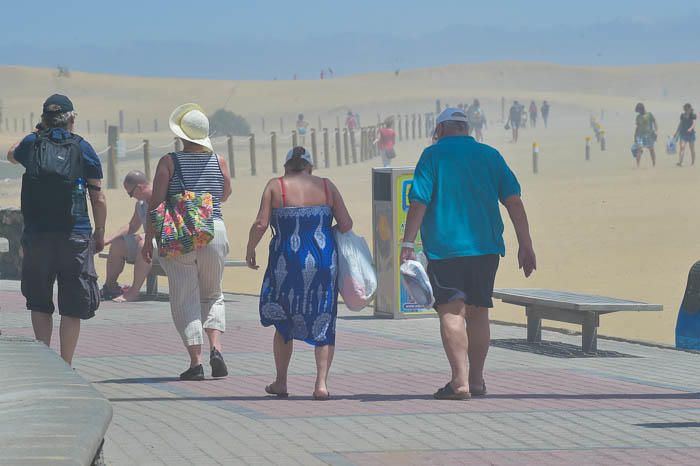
pixel 469 279
pixel 67 258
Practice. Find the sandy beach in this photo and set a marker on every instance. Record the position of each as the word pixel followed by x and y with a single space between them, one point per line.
pixel 599 226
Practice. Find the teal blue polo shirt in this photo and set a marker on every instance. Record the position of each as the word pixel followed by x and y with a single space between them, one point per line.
pixel 461 182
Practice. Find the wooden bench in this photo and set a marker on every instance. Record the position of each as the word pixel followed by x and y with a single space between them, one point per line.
pixel 564 306
pixel 157 270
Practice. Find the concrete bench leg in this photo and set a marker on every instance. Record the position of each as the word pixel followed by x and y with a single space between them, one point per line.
pixel 589 343
pixel 534 326
pixel 152 284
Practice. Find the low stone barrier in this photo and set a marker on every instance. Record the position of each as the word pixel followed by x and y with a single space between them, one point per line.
pixel 11 226
pixel 50 415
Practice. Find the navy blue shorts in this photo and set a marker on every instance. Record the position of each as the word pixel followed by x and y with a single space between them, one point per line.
pixel 68 259
pixel 469 279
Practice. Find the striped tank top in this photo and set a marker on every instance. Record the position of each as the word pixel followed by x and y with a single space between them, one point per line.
pixel 201 173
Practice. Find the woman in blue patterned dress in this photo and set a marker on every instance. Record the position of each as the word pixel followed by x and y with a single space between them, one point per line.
pixel 299 294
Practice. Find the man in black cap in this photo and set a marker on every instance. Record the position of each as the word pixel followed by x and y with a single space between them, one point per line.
pixel 58 241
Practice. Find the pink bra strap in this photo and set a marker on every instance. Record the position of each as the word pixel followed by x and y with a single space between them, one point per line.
pixel 284 194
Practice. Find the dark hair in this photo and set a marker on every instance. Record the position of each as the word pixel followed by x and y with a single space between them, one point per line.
pixel 297 163
pixel 687 107
pixel 56 119
pixel 640 108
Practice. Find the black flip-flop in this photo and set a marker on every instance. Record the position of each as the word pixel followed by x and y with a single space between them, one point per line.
pixel 269 391
pixel 448 393
pixel 321 397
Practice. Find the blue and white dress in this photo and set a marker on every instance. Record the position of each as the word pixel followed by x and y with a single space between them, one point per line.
pixel 299 293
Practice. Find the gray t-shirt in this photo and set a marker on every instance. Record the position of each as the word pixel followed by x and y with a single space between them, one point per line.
pixel 142 212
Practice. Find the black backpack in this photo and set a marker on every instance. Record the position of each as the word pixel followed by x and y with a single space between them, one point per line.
pixel 51 197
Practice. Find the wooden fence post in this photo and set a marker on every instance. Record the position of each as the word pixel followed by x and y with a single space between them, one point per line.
pixel 535 156
pixel 438 107
pixel 408 135
pixel 24 125
pixel 399 127
pixel 155 125
pixel 273 145
pixel 263 124
pixel 353 146
pixel 121 121
pixel 588 148
pixel 15 121
pixel 281 125
pixel 31 120
pixel 346 146
pixel 88 126
pixel 295 138
pixel 326 149
pixel 253 170
pixel 105 122
pixel 112 138
pixel 413 126
pixel 420 127
pixel 602 141
pixel 338 148
pixel 147 159
pixel 314 147
pixel 231 157
pixel 138 125
pixel 363 144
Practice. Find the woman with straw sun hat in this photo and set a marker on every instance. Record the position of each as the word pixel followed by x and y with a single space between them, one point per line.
pixel 194 278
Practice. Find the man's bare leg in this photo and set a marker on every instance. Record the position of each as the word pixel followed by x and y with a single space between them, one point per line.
pixel 115 261
pixel 141 271
pixel 652 152
pixel 692 152
pixel 454 340
pixel 479 333
pixel 42 323
pixel 69 332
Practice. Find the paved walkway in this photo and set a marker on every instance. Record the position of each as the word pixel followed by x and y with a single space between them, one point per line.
pixel 542 410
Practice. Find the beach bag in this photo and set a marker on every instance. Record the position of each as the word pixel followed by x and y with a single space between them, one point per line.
pixel 417 284
pixel 183 222
pixel 391 154
pixel 357 279
pixel 636 147
pixel 671 145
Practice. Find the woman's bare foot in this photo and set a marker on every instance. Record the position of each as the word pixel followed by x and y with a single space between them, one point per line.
pixel 321 393
pixel 278 389
pixel 127 297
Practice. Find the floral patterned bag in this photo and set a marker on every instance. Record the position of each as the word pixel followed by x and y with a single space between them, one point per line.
pixel 183 222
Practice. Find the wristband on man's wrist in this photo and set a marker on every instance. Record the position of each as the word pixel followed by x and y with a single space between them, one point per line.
pixel 408 245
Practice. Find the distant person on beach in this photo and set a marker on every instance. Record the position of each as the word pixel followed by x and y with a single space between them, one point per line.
pixel 533 114
pixel 645 133
pixel 545 112
pixel 386 139
pixel 194 278
pixel 351 121
pixel 515 117
pixel 457 186
pixel 477 120
pixel 61 169
pixel 125 245
pixel 686 133
pixel 302 126
pixel 299 294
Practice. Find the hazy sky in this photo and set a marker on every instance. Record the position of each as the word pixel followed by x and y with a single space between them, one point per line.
pixel 259 37
pixel 94 22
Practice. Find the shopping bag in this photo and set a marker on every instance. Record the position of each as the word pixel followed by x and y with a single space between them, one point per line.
pixel 417 284
pixel 671 144
pixel 357 279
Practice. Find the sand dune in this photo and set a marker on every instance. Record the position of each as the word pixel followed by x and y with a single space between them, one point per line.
pixel 599 226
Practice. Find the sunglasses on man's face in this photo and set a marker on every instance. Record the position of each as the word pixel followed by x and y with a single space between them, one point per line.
pixel 131 193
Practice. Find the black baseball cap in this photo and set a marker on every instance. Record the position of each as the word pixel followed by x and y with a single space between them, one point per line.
pixel 58 103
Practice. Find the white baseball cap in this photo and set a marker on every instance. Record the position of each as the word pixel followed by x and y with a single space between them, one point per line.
pixel 452 114
pixel 189 122
pixel 305 156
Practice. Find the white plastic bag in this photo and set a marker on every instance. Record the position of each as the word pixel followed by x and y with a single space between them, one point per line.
pixel 417 284
pixel 357 280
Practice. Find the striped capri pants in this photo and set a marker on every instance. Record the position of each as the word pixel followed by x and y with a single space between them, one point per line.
pixel 194 283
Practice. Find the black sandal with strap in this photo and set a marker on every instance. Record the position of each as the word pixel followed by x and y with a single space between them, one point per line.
pixel 448 393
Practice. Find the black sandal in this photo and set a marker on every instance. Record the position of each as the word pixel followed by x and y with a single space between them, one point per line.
pixel 270 391
pixel 481 392
pixel 448 393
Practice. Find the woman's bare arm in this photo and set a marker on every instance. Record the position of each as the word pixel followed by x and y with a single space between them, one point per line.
pixel 260 225
pixel 340 211
pixel 227 178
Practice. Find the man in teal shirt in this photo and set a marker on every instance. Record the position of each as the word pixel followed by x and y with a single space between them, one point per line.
pixel 457 186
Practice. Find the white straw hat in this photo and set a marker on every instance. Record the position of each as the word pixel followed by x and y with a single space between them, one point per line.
pixel 189 122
